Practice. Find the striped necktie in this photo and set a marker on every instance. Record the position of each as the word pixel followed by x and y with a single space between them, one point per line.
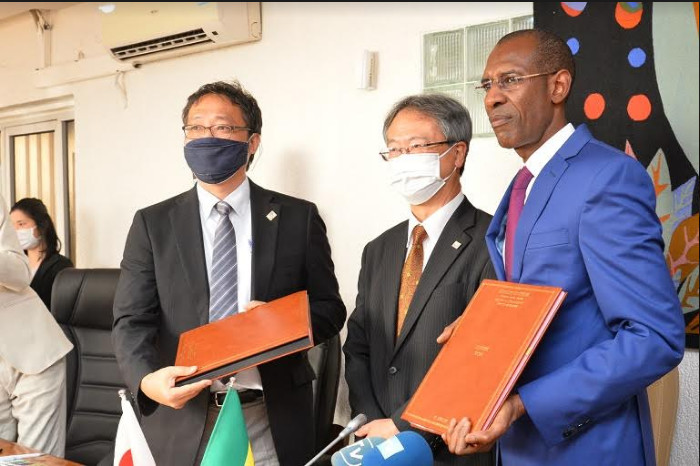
pixel 223 282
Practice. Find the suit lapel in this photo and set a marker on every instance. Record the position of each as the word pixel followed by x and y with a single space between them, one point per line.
pixel 395 255
pixel 541 192
pixel 496 231
pixel 186 224
pixel 441 259
pixel 265 215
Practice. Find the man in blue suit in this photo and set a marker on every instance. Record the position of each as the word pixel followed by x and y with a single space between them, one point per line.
pixel 580 215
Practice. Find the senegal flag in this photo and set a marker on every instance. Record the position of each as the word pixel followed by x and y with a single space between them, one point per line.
pixel 229 444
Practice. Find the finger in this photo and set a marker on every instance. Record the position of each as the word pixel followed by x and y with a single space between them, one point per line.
pixel 457 437
pixel 253 305
pixel 450 428
pixel 481 438
pixel 461 432
pixel 446 334
pixel 478 448
pixel 177 371
pixel 362 431
pixel 189 391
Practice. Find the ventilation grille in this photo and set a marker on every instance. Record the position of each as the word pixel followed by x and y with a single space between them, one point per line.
pixel 175 41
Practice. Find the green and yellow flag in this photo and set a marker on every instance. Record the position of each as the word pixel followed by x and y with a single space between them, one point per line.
pixel 229 444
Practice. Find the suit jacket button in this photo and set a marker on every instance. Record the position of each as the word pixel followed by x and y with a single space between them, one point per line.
pixel 567 433
pixel 393 370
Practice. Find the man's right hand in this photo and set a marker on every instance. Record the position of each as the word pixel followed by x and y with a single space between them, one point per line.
pixel 160 386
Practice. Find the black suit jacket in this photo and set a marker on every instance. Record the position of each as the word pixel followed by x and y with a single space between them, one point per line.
pixel 382 374
pixel 163 291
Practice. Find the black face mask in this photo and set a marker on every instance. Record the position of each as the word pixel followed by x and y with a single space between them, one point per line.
pixel 215 160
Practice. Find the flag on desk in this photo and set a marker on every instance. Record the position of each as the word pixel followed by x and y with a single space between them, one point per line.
pixel 130 447
pixel 229 442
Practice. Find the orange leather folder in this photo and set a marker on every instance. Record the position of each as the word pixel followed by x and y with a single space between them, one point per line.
pixel 246 339
pixel 477 368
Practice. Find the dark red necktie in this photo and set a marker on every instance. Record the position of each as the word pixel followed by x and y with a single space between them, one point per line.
pixel 515 207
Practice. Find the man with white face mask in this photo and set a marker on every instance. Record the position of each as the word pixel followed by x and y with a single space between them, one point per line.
pixel 418 276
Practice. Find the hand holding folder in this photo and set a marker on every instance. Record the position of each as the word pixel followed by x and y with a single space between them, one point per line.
pixel 268 331
pixel 487 351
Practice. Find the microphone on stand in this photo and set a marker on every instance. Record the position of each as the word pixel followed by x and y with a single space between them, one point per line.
pixel 354 424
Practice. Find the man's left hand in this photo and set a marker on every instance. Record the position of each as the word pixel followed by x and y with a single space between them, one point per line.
pixel 461 442
pixel 384 428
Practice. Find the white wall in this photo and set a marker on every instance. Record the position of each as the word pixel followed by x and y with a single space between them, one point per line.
pixel 320 134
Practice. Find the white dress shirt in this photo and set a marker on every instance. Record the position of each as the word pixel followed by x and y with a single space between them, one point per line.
pixel 433 226
pixel 240 217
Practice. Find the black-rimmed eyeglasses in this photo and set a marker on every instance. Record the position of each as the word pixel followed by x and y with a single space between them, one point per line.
pixel 216 131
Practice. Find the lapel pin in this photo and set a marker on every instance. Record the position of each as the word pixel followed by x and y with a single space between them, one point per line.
pixel 272 215
pixel 456 244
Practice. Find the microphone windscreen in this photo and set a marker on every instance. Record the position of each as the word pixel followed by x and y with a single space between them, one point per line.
pixel 352 454
pixel 403 449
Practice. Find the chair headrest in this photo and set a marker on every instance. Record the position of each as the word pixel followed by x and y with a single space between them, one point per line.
pixel 84 297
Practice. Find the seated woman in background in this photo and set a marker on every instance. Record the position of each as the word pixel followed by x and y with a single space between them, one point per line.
pixel 33 352
pixel 37 236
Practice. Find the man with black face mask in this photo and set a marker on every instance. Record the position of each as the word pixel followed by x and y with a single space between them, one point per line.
pixel 222 247
pixel 418 276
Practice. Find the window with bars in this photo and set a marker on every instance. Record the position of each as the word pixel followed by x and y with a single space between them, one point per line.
pixel 454 60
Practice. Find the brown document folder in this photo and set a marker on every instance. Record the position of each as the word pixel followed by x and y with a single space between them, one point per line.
pixel 232 344
pixel 477 368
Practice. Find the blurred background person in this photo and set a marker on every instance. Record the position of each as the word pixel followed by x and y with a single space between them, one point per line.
pixel 37 236
pixel 32 356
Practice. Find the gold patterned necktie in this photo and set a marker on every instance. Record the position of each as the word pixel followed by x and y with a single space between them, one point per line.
pixel 410 276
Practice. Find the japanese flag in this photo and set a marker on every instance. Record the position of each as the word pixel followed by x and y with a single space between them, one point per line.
pixel 130 447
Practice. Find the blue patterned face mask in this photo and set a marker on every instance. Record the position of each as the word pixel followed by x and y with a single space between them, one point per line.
pixel 215 160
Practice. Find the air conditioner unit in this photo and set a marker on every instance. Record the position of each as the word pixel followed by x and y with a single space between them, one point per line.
pixel 141 32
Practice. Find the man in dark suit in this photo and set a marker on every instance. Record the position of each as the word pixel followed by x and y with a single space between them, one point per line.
pixel 418 276
pixel 207 253
pixel 580 216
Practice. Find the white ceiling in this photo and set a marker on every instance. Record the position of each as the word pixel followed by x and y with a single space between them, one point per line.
pixel 8 9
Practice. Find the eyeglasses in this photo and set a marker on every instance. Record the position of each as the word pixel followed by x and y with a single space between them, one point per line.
pixel 393 152
pixel 216 131
pixel 507 83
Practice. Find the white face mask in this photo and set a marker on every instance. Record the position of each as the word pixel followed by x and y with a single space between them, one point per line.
pixel 26 237
pixel 417 176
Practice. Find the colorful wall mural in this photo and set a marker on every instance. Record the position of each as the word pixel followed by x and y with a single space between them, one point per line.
pixel 636 88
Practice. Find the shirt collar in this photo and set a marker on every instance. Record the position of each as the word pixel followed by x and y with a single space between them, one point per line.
pixel 239 199
pixel 436 222
pixel 544 154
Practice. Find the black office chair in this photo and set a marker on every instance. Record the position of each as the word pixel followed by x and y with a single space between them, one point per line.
pixel 325 360
pixel 81 302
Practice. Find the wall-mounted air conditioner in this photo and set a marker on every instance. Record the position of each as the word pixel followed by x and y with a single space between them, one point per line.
pixel 142 32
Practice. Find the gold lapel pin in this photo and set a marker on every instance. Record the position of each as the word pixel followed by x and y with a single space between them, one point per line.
pixel 456 244
pixel 272 215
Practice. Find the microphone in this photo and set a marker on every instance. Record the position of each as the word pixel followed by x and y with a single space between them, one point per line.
pixel 352 454
pixel 354 424
pixel 403 449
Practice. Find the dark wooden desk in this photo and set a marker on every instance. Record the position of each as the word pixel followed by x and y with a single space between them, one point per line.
pixel 11 448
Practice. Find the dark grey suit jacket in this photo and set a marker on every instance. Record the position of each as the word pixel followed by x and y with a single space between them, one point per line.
pixel 382 375
pixel 163 291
